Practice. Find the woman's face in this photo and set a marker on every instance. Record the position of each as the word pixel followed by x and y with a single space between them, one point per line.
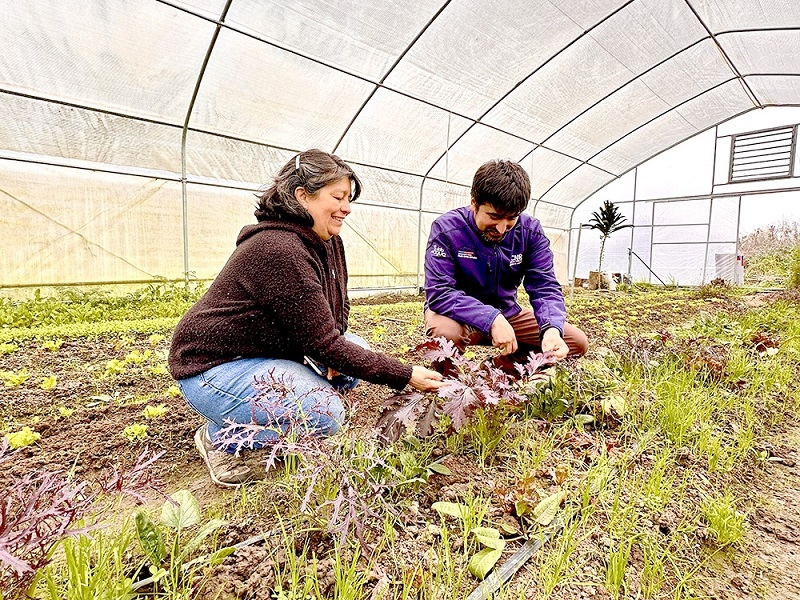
pixel 328 207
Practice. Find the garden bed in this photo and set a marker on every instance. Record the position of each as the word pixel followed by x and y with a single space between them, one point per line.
pixel 664 444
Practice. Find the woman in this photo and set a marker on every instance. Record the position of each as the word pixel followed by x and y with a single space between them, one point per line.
pixel 279 304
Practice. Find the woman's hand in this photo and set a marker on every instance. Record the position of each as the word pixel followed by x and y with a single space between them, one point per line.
pixel 425 380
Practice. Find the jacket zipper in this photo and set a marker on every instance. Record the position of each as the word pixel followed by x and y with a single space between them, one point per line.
pixel 493 272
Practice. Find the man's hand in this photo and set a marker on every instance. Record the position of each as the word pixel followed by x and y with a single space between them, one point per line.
pixel 503 336
pixel 553 342
pixel 425 380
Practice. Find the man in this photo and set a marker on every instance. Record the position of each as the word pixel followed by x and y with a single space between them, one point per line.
pixel 477 257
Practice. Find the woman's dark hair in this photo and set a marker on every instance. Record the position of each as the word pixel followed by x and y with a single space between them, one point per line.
pixel 503 184
pixel 311 170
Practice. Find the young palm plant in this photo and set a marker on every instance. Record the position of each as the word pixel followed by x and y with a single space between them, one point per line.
pixel 607 220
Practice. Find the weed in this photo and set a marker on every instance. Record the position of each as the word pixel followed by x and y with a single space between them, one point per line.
pixel 486 430
pixel 725 523
pixel 616 563
pixel 559 564
pixel 94 567
pixel 174 391
pixel 653 573
pixel 657 490
pixel 793 281
pixel 470 513
pixel 412 460
pixel 350 577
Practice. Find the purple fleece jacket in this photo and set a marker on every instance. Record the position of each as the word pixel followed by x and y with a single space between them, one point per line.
pixel 472 281
pixel 282 294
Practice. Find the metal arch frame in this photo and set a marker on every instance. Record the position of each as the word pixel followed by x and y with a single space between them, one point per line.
pixel 517 85
pixel 747 89
pixel 220 24
pixel 388 72
pixel 338 69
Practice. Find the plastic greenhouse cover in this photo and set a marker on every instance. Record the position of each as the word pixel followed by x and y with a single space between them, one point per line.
pixel 416 96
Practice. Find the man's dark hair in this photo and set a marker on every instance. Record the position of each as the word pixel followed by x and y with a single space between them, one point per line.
pixel 311 170
pixel 503 184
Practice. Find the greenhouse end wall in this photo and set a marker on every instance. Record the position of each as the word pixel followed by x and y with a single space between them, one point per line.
pixel 686 213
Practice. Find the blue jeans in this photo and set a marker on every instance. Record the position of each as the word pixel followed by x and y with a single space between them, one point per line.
pixel 278 395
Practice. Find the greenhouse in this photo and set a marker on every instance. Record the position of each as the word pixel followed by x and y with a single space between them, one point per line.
pixel 586 387
pixel 135 133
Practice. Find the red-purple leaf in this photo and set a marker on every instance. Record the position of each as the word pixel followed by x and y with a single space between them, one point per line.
pixel 425 425
pixel 437 349
pixel 462 401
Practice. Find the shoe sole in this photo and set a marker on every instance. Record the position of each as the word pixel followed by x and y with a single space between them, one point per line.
pixel 201 448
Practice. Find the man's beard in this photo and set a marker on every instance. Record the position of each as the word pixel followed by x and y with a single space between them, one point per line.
pixel 492 241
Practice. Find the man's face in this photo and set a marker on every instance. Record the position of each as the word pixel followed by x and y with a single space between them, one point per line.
pixel 492 225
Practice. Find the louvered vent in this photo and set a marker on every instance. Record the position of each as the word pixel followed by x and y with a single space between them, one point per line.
pixel 767 154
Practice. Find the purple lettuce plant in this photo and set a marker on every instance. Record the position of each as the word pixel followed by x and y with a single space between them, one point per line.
pixel 41 509
pixel 354 475
pixel 469 385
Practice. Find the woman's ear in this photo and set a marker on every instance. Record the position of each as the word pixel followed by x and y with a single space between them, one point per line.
pixel 301 195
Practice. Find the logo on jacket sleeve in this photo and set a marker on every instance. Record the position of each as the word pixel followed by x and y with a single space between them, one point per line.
pixel 438 251
pixel 516 259
pixel 467 254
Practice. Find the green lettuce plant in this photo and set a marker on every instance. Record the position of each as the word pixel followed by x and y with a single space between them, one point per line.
pixel 169 543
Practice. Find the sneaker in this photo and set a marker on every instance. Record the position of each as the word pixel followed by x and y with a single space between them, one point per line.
pixel 226 470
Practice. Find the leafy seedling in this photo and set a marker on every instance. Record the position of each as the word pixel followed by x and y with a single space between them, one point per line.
pixel 154 412
pixel 14 379
pixel 49 382
pixel 483 562
pixel 470 386
pixel 135 432
pixel 165 544
pixel 24 437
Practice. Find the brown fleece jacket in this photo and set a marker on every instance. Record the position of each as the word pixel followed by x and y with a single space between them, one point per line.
pixel 282 294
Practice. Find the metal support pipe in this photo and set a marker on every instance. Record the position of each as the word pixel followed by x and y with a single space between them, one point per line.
pixel 652 235
pixel 633 218
pixel 708 239
pixel 581 226
pixel 184 194
pixel 646 266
